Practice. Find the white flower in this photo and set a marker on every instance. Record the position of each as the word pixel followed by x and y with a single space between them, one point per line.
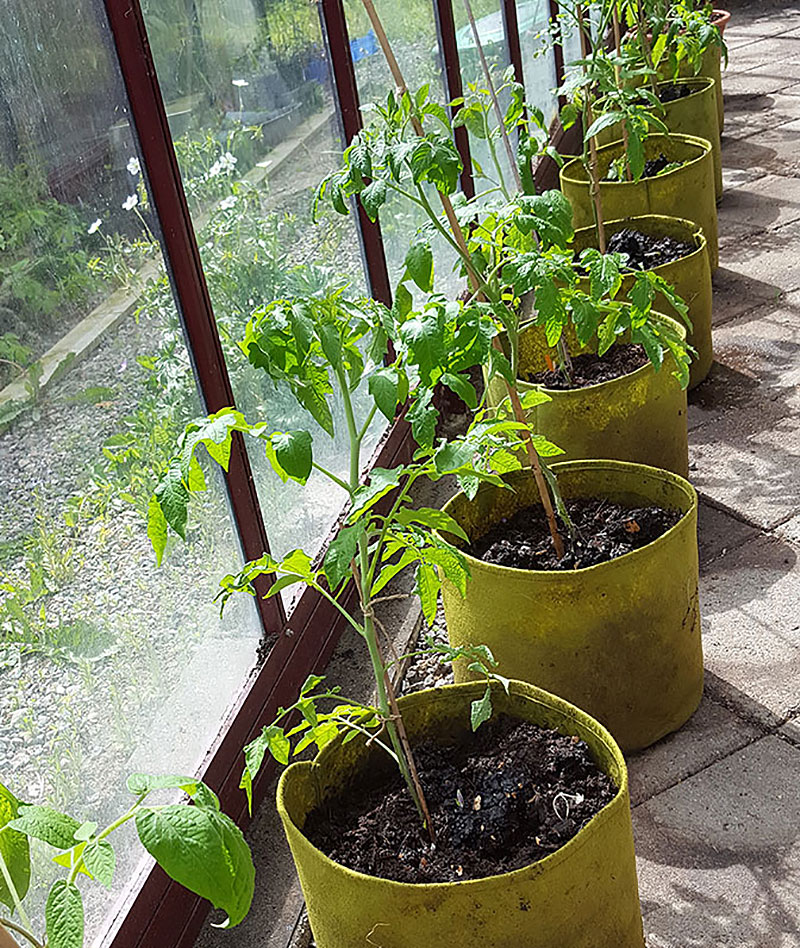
pixel 214 170
pixel 228 161
pixel 227 203
pixel 95 226
pixel 130 202
pixel 239 83
pixel 133 166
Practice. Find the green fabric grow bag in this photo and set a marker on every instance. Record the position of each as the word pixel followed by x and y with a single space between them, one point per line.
pixel 638 417
pixel 621 640
pixel 694 114
pixel 585 895
pixel 688 192
pixel 690 276
pixel 710 66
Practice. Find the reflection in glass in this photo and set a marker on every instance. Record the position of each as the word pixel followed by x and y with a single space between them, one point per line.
pixel 107 664
pixel 249 96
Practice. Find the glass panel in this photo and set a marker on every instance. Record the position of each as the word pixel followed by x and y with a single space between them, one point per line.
pixel 491 32
pixel 411 30
pixel 538 62
pixel 248 92
pixel 108 664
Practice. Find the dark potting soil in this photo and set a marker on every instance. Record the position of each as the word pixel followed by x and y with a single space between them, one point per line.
pixel 652 168
pixel 591 369
pixel 604 531
pixel 646 251
pixel 511 795
pixel 674 92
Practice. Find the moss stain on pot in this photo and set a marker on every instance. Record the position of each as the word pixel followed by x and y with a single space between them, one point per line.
pixel 622 639
pixel 585 895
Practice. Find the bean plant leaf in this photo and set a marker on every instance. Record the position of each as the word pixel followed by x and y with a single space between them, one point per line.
pixel 145 783
pixel 156 528
pixel 172 495
pixel 14 850
pixel 204 851
pixel 100 861
pixel 63 915
pixel 47 824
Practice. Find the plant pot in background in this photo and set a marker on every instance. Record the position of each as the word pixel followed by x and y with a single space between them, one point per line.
pixel 622 639
pixel 687 192
pixel 720 19
pixel 690 276
pixel 585 895
pixel 694 114
pixel 637 417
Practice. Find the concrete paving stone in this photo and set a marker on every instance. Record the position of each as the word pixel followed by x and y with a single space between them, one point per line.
pixel 769 258
pixel 763 80
pixel 747 459
pixel 712 733
pixel 719 531
pixel 736 294
pixel 791 731
pixel 769 201
pixel 772 150
pixel 790 530
pixel 719 855
pixel 755 356
pixel 783 48
pixel 751 628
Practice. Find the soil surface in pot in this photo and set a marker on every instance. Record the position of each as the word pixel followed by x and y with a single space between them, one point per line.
pixel 604 531
pixel 653 167
pixel 647 251
pixel 591 369
pixel 674 92
pixel 509 796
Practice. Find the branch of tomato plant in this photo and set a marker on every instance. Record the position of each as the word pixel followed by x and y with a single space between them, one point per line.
pixel 618 74
pixel 588 120
pixel 477 283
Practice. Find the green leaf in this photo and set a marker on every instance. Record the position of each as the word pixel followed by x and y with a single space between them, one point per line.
pixel 423 417
pixel 172 495
pixel 63 915
pixel 381 482
pixel 46 824
pixel 462 387
pixel 373 197
pixel 382 386
pixel 204 851
pixel 293 453
pixel 431 517
pixel 156 528
pixel 144 783
pixel 602 122
pixel 481 709
pixel 428 585
pixel 100 861
pixel 69 858
pixel 550 214
pixel 14 849
pixel 86 831
pixel 419 265
pixel 604 272
pixel 340 554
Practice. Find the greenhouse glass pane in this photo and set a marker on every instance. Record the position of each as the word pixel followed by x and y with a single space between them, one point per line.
pixel 490 166
pixel 108 664
pixel 248 93
pixel 411 30
pixel 538 62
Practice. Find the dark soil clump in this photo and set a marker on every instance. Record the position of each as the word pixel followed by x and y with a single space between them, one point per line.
pixel 604 531
pixel 591 369
pixel 511 795
pixel 654 166
pixel 674 92
pixel 646 251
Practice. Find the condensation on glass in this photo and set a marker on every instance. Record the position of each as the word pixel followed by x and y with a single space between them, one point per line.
pixel 108 664
pixel 538 61
pixel 251 109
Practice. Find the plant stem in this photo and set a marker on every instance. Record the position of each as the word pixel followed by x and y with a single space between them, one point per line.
pixel 618 77
pixel 10 926
pixel 475 280
pixel 648 54
pixel 592 165
pixel 6 873
pixel 128 815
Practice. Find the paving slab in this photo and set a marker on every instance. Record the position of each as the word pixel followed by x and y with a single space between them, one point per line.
pixel 771 150
pixel 719 531
pixel 769 257
pixel 763 80
pixel 736 293
pixel 768 201
pixel 719 855
pixel 712 733
pixel 751 628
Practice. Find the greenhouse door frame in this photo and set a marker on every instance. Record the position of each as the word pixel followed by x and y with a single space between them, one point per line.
pixel 156 912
